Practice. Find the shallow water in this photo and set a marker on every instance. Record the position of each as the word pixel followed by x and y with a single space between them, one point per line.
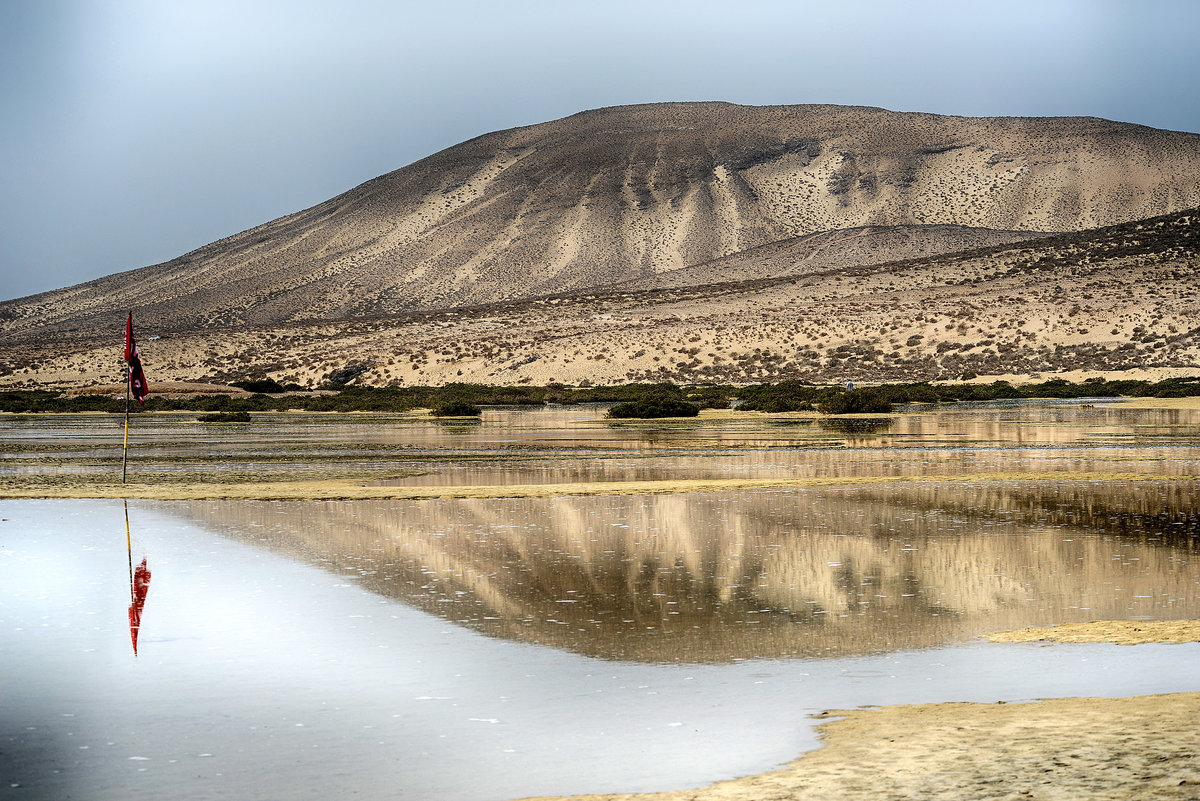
pixel 716 577
pixel 259 676
pixel 504 647
pixel 567 444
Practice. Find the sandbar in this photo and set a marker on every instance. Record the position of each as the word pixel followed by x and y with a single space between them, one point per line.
pixel 62 485
pixel 1121 632
pixel 1068 749
pixel 1065 749
pixel 1192 404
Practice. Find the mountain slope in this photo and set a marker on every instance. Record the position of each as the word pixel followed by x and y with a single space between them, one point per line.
pixel 629 194
pixel 843 248
pixel 1117 299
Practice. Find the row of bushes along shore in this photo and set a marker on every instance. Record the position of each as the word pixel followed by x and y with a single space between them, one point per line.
pixel 462 398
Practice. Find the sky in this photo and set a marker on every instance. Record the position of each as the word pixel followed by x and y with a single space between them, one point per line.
pixel 133 131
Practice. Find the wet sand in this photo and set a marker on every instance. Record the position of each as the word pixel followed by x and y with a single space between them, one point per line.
pixel 246 487
pixel 1068 749
pixel 1122 632
pixel 1192 404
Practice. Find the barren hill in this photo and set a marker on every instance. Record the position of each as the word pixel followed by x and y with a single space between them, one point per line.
pixel 829 250
pixel 629 195
pixel 1111 300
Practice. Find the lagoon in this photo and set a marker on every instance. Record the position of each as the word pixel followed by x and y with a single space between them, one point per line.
pixel 491 648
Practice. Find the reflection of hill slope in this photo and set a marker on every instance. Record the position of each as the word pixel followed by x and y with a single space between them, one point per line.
pixel 717 577
pixel 630 193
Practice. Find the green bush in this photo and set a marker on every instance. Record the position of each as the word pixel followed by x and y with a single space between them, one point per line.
pixel 652 408
pixel 456 408
pixel 863 400
pixel 711 397
pixel 786 396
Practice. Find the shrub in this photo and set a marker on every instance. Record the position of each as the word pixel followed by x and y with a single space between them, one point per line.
pixel 456 408
pixel 651 408
pixel 711 397
pixel 787 396
pixel 868 400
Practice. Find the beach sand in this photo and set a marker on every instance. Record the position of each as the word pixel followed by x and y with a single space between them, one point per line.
pixel 1068 749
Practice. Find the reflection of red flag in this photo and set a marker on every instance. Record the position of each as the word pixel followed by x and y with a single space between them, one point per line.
pixel 137 378
pixel 141 586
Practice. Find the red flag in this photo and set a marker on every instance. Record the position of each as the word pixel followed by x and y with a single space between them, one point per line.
pixel 141 586
pixel 137 378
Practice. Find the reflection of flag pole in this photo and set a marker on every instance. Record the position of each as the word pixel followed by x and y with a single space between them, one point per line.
pixel 139 587
pixel 129 550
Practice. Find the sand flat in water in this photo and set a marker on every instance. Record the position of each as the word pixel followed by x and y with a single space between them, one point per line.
pixel 66 486
pixel 1069 749
pixel 1122 632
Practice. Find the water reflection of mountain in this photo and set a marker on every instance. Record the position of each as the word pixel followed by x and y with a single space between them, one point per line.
pixel 722 576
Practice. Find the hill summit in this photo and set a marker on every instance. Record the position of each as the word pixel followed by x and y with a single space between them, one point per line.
pixel 649 196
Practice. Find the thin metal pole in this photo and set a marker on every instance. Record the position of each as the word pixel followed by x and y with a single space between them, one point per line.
pixel 125 450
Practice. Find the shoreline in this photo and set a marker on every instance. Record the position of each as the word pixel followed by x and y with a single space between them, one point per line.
pixel 1059 749
pixel 63 486
pixel 1062 749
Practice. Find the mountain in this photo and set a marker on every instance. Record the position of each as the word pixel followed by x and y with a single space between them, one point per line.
pixel 1116 300
pixel 821 252
pixel 645 197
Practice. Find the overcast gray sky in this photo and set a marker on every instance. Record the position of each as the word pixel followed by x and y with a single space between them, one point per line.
pixel 136 130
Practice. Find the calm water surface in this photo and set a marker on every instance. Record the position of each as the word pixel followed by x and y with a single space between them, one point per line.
pixel 499 648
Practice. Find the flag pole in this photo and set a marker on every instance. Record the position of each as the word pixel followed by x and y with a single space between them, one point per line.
pixel 125 449
pixel 135 378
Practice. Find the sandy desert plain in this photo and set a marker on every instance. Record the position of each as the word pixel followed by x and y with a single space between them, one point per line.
pixel 544 602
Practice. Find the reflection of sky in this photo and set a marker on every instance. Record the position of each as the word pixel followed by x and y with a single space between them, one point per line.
pixel 264 678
